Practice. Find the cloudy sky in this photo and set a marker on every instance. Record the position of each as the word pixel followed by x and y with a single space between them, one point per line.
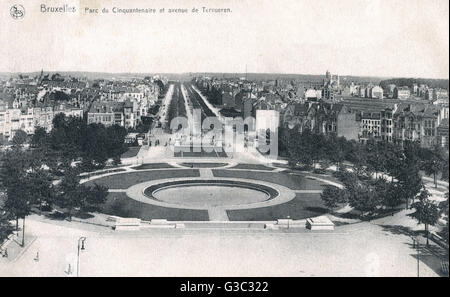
pixel 349 37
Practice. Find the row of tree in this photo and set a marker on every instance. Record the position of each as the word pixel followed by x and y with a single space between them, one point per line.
pixel 29 184
pixel 308 149
pixel 213 93
pixel 432 83
pixel 46 176
pixel 382 176
pixel 71 139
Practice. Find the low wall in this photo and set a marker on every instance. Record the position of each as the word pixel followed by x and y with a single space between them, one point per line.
pixel 438 240
pixel 165 224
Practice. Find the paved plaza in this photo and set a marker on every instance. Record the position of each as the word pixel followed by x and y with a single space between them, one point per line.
pixel 382 247
pixel 363 249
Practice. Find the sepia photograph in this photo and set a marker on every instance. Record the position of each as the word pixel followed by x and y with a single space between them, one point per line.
pixel 219 139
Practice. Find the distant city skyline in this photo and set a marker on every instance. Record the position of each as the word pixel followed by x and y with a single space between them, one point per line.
pixel 376 38
pixel 228 74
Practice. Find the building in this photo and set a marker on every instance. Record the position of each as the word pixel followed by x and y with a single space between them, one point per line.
pixel 125 114
pixel 370 126
pixel 387 124
pixel 43 117
pixel 266 127
pixel 442 134
pixel 418 122
pixel 389 91
pixel 324 118
pixel 28 119
pixel 313 95
pixel 106 113
pixel 376 92
pixel 402 93
pixel 440 94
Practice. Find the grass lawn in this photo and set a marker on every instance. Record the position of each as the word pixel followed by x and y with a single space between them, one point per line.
pixel 153 166
pixel 202 154
pixel 301 207
pixel 203 165
pixel 294 182
pixel 126 180
pixel 131 152
pixel 103 172
pixel 119 204
pixel 252 166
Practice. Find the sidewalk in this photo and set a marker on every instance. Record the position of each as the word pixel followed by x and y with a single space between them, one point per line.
pixel 14 248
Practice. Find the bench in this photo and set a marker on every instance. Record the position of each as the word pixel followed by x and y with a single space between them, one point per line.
pixel 319 223
pixel 127 224
pixel 159 222
pixel 444 267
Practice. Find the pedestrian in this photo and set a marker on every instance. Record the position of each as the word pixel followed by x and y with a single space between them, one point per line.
pixel 69 270
pixel 37 257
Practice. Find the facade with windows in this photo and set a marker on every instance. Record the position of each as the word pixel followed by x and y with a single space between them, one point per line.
pixel 418 123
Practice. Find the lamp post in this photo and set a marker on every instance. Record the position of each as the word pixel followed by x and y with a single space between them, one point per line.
pixel 288 218
pixel 81 247
pixel 416 245
pixel 23 232
pixel 418 258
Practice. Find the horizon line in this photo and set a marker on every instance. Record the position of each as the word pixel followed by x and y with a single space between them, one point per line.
pixel 207 72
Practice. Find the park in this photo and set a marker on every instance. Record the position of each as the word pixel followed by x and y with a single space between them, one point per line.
pixel 351 207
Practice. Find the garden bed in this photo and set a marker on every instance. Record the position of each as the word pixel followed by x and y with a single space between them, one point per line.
pixel 126 180
pixel 294 182
pixel 301 207
pixel 153 166
pixel 119 204
pixel 131 152
pixel 252 167
pixel 203 165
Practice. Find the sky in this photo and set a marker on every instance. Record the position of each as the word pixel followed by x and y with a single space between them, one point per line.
pixel 384 38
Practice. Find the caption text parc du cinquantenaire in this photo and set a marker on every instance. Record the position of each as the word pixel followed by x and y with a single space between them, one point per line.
pixel 117 10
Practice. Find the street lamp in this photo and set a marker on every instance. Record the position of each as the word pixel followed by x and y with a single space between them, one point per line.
pixel 416 245
pixel 81 247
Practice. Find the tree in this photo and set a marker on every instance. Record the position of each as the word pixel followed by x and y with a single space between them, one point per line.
pixel 73 195
pixel 426 211
pixel 445 169
pixel 364 199
pixel 433 162
pixel 13 177
pixel 335 151
pixel 410 182
pixel 57 77
pixel 393 196
pixel 67 136
pixel 443 210
pixel 40 138
pixel 5 228
pixel 297 149
pixel 375 156
pixel 20 137
pixel 333 196
pixel 95 196
pixel 358 156
pixel 407 172
pixel 394 159
pixel 315 144
pixel 40 186
pixel 116 141
pixel 70 191
pixel 301 148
